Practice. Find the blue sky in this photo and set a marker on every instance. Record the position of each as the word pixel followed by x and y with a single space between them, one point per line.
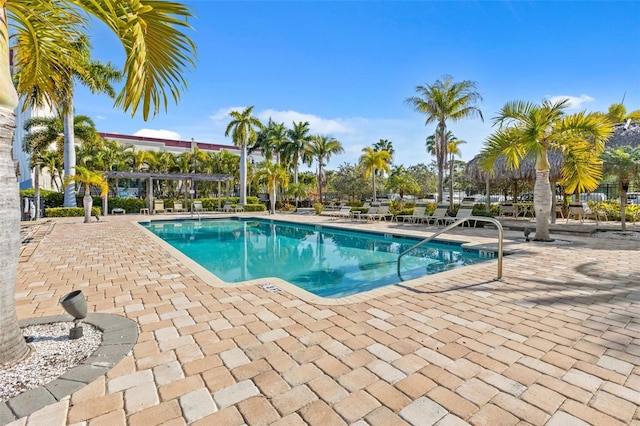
pixel 347 67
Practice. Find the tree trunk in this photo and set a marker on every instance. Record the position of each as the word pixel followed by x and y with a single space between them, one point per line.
pixel 12 345
pixel 69 155
pixel 441 153
pixel 243 174
pixel 87 202
pixel 623 205
pixel 373 184
pixel 320 180
pixel 542 205
pixel 273 199
pixel 451 183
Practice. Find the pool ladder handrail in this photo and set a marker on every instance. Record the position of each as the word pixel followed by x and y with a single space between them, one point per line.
pixel 455 224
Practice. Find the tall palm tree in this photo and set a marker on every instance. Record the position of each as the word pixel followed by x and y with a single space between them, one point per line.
pixel 89 178
pixel 624 164
pixel 296 146
pixel 157 54
pixel 452 150
pixel 97 77
pixel 244 132
pixel 322 148
pixel 43 132
pixel 373 161
pixel 385 145
pixel 274 175
pixel 533 129
pixel 50 160
pixel 445 101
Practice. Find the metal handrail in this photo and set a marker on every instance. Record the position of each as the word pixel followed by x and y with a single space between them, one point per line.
pixel 453 225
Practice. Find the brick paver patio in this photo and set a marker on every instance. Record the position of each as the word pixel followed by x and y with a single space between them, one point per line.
pixel 556 342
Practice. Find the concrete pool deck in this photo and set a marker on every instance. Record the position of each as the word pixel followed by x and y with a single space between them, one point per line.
pixel 556 341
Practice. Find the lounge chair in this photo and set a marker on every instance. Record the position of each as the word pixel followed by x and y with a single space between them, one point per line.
pixel 343 212
pixel 196 207
pixel 238 208
pixel 177 207
pixel 418 215
pixel 583 211
pixel 382 213
pixel 439 216
pixel 158 206
pixel 373 210
pixel 228 207
pixel 463 212
pixel 507 209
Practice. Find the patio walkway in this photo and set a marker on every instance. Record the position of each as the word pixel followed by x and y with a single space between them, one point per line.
pixel 556 342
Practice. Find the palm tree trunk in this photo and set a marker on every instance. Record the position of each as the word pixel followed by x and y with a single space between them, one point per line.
pixel 12 346
pixel 451 183
pixel 542 205
pixel 373 184
pixel 69 155
pixel 87 202
pixel 320 180
pixel 243 174
pixel 441 158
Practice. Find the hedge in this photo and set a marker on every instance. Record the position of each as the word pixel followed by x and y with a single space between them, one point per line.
pixel 70 211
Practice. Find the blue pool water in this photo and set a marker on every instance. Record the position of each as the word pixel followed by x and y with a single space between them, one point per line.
pixel 325 261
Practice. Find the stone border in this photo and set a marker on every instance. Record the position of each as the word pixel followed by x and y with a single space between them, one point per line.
pixel 119 335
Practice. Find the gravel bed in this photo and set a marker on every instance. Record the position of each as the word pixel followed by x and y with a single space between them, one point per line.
pixel 618 235
pixel 53 353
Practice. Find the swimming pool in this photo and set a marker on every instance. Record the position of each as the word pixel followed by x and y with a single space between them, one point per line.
pixel 328 262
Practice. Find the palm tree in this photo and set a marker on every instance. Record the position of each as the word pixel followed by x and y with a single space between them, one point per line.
pixel 452 150
pixel 88 179
pixel 445 100
pixel 97 77
pixel 385 145
pixel 531 129
pixel 623 163
pixel 43 132
pixel 373 161
pixel 297 190
pixel 157 54
pixel 244 132
pixel 274 175
pixel 322 148
pixel 402 182
pixel 296 146
pixel 52 162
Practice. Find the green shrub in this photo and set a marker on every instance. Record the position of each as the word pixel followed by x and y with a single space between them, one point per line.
pixel 318 207
pixel 51 198
pixel 130 205
pixel 70 211
pixel 255 207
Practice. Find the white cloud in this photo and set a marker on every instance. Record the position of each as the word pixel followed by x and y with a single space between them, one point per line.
pixel 100 117
pixel 222 114
pixel 325 126
pixel 575 102
pixel 158 133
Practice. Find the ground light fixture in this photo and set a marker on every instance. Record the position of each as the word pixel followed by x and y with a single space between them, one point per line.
pixel 76 305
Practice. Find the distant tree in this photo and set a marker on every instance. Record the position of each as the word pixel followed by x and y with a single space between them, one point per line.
pixel 295 148
pixel 624 164
pixel 274 175
pixel 372 161
pixel 617 113
pixel 87 178
pixel 426 178
pixel 443 101
pixel 244 130
pixel 402 182
pixel 385 145
pixel 453 150
pixel 347 180
pixel 321 148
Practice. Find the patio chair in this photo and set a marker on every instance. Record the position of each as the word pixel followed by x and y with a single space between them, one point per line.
pixel 343 212
pixel 439 216
pixel 196 207
pixel 463 212
pixel 418 214
pixel 228 207
pixel 382 213
pixel 238 208
pixel 507 209
pixel 370 214
pixel 158 206
pixel 177 207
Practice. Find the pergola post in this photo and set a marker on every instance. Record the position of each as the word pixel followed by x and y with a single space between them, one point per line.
pixel 219 186
pixel 150 194
pixel 488 192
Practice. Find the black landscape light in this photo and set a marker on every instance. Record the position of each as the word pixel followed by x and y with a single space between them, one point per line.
pixel 76 305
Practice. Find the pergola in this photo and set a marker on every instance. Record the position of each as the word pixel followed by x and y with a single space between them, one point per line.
pixel 150 176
